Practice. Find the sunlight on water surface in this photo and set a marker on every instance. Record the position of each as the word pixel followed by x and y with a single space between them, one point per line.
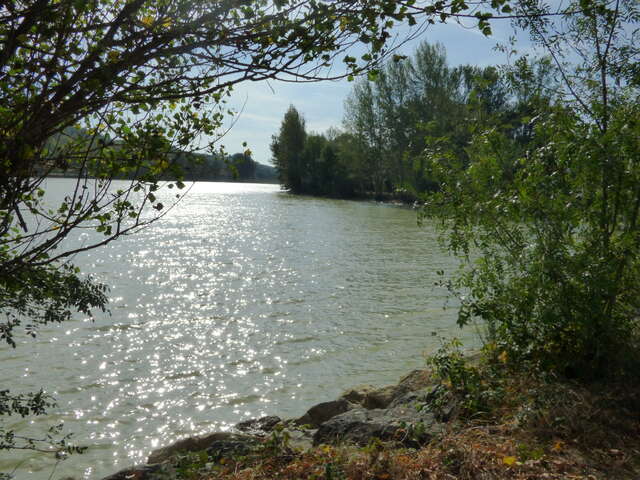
pixel 243 301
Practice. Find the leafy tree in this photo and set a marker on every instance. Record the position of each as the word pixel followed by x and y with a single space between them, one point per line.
pixel 416 104
pixel 556 242
pixel 244 165
pixel 363 119
pixel 314 178
pixel 348 173
pixel 287 149
pixel 395 95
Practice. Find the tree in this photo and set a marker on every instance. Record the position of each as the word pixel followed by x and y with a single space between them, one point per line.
pixel 415 104
pixel 287 149
pixel 556 242
pixel 244 165
pixel 314 176
pixel 363 119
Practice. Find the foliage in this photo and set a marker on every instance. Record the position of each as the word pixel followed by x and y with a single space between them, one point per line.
pixel 412 106
pixel 472 388
pixel 287 149
pixel 31 404
pixel 552 238
pixel 46 295
pixel 277 444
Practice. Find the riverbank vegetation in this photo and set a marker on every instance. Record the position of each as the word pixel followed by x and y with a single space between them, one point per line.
pixel 188 167
pixel 412 106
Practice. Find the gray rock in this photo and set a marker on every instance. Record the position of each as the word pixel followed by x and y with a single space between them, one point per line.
pixel 370 397
pixel 139 472
pixel 320 413
pixel 358 394
pixel 258 426
pixel 195 444
pixel 413 381
pixel 300 439
pixel 446 408
pixel 415 398
pixel 408 424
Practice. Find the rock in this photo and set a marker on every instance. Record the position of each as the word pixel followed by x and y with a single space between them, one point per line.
pixel 381 397
pixel 358 394
pixel 231 448
pixel 322 412
pixel 195 444
pixel 258 426
pixel 415 380
pixel 403 423
pixel 300 439
pixel 139 472
pixel 370 397
pixel 416 398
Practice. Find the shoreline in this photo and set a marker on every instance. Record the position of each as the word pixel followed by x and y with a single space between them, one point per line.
pixel 427 427
pixel 360 414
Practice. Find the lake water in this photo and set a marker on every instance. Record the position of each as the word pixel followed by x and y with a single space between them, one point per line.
pixel 242 301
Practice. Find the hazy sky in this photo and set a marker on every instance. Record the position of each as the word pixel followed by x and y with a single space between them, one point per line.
pixel 322 103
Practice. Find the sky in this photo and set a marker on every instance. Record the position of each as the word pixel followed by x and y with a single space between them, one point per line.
pixel 264 104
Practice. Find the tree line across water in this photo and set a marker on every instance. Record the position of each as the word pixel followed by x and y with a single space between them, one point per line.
pixel 411 107
pixel 180 165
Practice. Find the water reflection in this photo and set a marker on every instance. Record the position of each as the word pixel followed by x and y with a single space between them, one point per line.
pixel 242 302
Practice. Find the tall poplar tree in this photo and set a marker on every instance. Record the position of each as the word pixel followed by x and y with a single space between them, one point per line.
pixel 287 149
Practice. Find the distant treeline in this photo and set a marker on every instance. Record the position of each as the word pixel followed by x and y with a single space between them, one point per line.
pixel 413 109
pixel 238 166
pixel 174 165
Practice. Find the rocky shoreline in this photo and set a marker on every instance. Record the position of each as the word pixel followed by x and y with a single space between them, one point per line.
pixel 408 413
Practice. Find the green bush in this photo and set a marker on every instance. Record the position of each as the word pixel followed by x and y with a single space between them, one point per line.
pixel 552 244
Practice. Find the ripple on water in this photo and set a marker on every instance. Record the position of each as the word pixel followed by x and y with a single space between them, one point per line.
pixel 243 301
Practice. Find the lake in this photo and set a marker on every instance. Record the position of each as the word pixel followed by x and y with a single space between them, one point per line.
pixel 242 301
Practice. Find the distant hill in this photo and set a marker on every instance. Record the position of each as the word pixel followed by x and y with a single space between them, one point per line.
pixel 194 166
pixel 237 167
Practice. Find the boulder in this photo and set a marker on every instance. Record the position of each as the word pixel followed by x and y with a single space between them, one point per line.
pixel 446 408
pixel 320 413
pixel 417 398
pixel 370 397
pixel 415 380
pixel 358 394
pixel 259 426
pixel 139 472
pixel 406 423
pixel 300 439
pixel 195 444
